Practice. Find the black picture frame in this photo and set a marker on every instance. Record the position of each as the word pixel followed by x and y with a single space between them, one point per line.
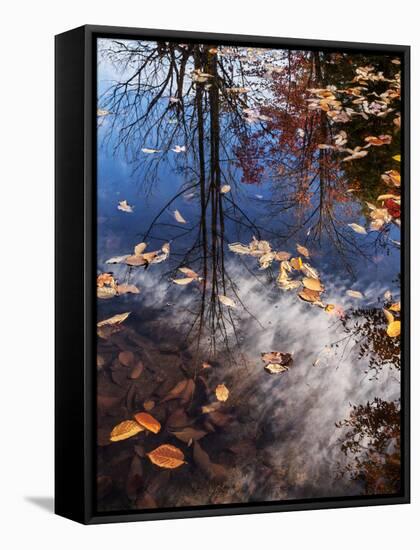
pixel 75 294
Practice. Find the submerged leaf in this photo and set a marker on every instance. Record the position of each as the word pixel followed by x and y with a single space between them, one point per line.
pixel 312 284
pixel 222 393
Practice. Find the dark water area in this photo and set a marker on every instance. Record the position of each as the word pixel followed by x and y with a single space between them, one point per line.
pixel 265 183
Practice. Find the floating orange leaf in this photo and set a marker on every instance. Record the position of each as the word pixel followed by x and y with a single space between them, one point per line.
pixel 147 421
pixel 222 393
pixel 167 456
pixel 394 329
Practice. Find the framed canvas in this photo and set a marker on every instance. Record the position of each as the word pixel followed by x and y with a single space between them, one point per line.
pixel 232 274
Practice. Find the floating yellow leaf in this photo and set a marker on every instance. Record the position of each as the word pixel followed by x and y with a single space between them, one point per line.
pixel 329 308
pixel 312 284
pixel 167 456
pixel 394 329
pixel 222 393
pixel 302 250
pixel 311 296
pixel 147 421
pixel 125 430
pixel 115 320
pixel 397 158
pixel 226 301
pixel 225 189
pixel 395 307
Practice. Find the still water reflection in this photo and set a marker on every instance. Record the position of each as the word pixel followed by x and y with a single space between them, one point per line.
pixel 248 203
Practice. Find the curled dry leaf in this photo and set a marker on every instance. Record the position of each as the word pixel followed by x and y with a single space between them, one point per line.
pixel 226 301
pixel 115 320
pixel 302 250
pixel 354 294
pixel 179 218
pixel 148 422
pixel 357 228
pixel 125 430
pixel 394 329
pixel 222 392
pixel 125 207
pixel 167 456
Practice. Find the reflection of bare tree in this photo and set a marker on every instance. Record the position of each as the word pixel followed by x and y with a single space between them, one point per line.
pixel 372 445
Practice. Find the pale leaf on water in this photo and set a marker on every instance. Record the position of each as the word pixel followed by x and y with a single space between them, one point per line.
pixel 312 284
pixel 184 281
pixel 225 189
pixel 139 248
pixel 125 207
pixel 179 149
pixel 357 228
pixel 150 151
pixel 226 301
pixel 115 320
pixel 275 368
pixel 127 289
pixel 239 248
pixel 354 294
pixel 395 307
pixel 188 272
pixel 117 259
pixel 179 218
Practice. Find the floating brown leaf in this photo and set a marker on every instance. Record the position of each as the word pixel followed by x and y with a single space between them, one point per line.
pixel 222 392
pixel 127 289
pixel 136 370
pixel 147 421
pixel 167 456
pixel 149 405
pixel 125 430
pixel 302 250
pixel 183 390
pixel 296 263
pixel 277 357
pixel 311 296
pixel 184 281
pixel 188 272
pixel 395 307
pixel 281 256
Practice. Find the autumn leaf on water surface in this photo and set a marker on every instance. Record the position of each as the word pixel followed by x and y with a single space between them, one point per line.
pixel 354 294
pixel 275 368
pixel 189 434
pixel 296 263
pixel 392 177
pixel 184 281
pixel 394 329
pixel 139 249
pixel 312 283
pixel 302 250
pixel 167 456
pixel 148 422
pixel 102 112
pixel 395 307
pixel 225 189
pixel 127 289
pixel 179 218
pixel 397 158
pixel 222 392
pixel 312 296
pixel 357 228
pixel 150 151
pixel 225 300
pixel 388 316
pixel 125 207
pixel 125 430
pixel 278 357
pixel 179 149
pixel 115 320
pixel 189 273
pixel 183 390
pixel 378 141
pixel 117 259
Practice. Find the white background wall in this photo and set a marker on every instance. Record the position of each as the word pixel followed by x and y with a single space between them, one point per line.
pixel 26 253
